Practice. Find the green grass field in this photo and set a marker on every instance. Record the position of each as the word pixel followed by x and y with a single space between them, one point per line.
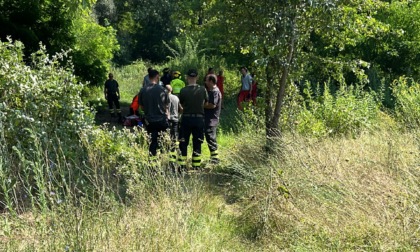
pixel 359 193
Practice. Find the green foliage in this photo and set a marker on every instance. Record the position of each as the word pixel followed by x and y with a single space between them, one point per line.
pixel 397 52
pixel 249 120
pixel 45 96
pixel 93 49
pixel 186 54
pixel 280 37
pixel 141 27
pixel 42 115
pixel 311 125
pixel 33 22
pixel 407 102
pixel 61 25
pixel 123 152
pixel 93 188
pixel 347 112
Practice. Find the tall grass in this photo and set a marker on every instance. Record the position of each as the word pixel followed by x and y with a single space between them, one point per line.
pixel 407 99
pixel 330 194
pixel 89 188
pixel 348 111
pixel 363 195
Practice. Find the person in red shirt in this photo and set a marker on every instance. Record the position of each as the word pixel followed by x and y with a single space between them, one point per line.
pixel 254 87
pixel 246 87
pixel 220 81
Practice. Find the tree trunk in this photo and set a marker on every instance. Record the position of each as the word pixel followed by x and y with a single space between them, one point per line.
pixel 274 129
pixel 268 94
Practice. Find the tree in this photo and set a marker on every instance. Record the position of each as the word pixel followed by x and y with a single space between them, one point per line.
pixel 60 25
pixel 141 26
pixel 34 21
pixel 278 34
pixel 396 53
pixel 93 49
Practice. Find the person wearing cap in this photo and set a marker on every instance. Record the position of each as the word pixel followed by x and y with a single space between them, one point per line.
pixel 155 102
pixel 177 84
pixel 193 97
pixel 246 88
pixel 112 95
pixel 212 114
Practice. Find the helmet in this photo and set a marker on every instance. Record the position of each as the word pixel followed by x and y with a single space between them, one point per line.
pixel 176 74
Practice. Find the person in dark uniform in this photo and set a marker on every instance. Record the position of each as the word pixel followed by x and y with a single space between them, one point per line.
pixel 192 98
pixel 155 102
pixel 112 95
pixel 212 114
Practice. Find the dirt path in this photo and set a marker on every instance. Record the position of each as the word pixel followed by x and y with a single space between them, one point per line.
pixel 103 117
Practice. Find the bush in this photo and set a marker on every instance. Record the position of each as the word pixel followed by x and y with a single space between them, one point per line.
pixel 41 117
pixel 186 55
pixel 44 97
pixel 93 49
pixel 349 111
pixel 50 150
pixel 407 102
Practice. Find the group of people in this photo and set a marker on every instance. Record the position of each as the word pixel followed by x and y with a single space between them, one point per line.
pixel 185 109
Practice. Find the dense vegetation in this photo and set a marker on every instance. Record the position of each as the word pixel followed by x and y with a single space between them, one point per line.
pixel 327 160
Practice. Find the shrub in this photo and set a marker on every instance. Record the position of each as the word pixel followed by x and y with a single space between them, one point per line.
pixel 407 102
pixel 44 97
pixel 93 50
pixel 122 153
pixel 349 111
pixel 41 116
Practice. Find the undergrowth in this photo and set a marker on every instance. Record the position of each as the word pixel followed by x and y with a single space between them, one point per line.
pixel 342 177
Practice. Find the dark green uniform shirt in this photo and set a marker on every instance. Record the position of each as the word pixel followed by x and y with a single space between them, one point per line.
pixel 192 98
pixel 111 86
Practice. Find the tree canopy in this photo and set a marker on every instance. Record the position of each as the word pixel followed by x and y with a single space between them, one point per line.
pixel 61 25
pixel 292 41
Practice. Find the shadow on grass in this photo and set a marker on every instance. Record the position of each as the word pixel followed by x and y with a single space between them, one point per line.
pixel 103 115
pixel 218 183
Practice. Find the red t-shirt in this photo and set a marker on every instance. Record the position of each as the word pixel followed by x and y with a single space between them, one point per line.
pixel 220 80
pixel 254 88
